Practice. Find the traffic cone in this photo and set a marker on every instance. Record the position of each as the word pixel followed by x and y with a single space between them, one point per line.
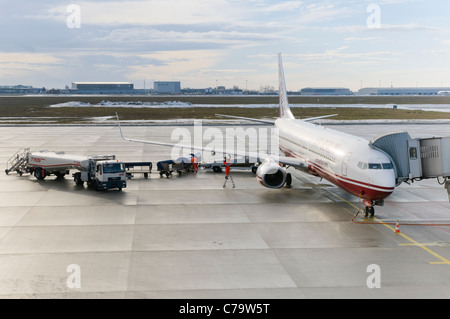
pixel 397 228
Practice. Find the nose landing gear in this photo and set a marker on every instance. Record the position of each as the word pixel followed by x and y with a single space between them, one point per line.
pixel 369 210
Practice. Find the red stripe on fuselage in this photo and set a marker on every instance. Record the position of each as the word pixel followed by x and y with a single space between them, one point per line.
pixel 365 190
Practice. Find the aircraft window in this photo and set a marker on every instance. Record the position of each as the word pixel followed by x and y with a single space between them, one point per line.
pixel 413 153
pixel 361 165
pixel 375 166
pixel 388 166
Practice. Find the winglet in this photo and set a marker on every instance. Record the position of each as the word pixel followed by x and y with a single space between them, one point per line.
pixel 120 128
pixel 285 111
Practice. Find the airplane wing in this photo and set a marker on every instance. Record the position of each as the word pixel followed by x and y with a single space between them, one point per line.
pixel 273 122
pixel 247 119
pixel 318 117
pixel 261 157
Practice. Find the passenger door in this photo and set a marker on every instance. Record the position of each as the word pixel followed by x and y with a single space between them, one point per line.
pixel 345 164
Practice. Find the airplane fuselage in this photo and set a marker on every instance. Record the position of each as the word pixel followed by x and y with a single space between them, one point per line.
pixel 345 160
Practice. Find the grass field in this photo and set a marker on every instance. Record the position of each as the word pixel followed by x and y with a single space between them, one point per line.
pixel 12 109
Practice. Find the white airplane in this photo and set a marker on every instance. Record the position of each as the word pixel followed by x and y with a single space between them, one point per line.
pixel 345 160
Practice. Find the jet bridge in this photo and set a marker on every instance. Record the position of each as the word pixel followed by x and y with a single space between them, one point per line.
pixel 416 159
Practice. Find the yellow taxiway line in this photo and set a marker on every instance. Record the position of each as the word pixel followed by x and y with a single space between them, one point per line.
pixel 442 261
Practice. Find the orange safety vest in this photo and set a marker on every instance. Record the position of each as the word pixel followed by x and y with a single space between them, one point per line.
pixel 227 168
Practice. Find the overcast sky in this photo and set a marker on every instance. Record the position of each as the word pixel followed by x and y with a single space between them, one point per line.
pixel 226 42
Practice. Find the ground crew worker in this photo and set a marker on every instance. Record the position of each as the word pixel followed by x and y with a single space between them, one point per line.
pixel 194 163
pixel 227 165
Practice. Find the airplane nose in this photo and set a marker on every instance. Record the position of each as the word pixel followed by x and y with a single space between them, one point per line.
pixel 384 179
pixel 382 185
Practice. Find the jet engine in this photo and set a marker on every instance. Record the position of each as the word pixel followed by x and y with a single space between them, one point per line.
pixel 271 175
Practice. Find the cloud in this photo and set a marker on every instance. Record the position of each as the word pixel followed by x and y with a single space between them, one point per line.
pixel 410 27
pixel 181 65
pixel 19 67
pixel 321 12
pixel 197 41
pixel 13 63
pixel 138 35
pixel 356 39
pixel 152 12
pixel 283 6
pixel 341 54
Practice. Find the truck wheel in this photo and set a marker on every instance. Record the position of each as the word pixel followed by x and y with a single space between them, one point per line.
pixel 77 179
pixel 217 169
pixel 39 173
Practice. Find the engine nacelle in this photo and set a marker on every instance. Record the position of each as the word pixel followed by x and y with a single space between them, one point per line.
pixel 271 175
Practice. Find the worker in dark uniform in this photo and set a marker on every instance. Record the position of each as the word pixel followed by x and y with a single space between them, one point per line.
pixel 228 175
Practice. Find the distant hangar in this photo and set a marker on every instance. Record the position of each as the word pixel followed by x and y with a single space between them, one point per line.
pixel 167 87
pixel 326 91
pixel 403 91
pixel 386 91
pixel 102 87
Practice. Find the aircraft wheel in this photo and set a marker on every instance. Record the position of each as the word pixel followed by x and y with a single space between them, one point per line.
pixel 366 211
pixel 288 179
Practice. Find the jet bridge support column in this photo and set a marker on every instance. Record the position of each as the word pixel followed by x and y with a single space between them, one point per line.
pixel 447 186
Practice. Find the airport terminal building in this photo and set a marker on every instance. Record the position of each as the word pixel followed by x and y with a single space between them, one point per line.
pixel 326 91
pixel 403 91
pixel 167 87
pixel 20 89
pixel 102 87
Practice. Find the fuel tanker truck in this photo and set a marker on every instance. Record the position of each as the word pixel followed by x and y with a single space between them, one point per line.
pixel 99 172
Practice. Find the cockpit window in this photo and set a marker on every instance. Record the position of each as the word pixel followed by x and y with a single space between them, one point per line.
pixel 365 166
pixel 362 165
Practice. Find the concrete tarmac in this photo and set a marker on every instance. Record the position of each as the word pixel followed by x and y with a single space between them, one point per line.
pixel 187 237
